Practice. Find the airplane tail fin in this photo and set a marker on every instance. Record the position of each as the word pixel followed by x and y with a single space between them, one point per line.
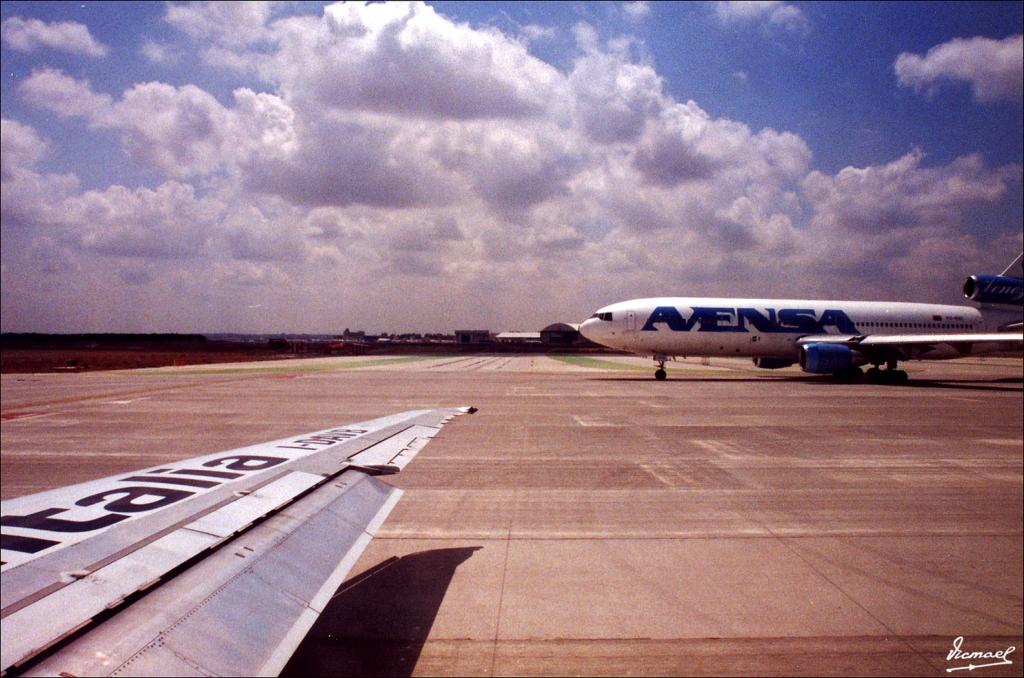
pixel 1018 262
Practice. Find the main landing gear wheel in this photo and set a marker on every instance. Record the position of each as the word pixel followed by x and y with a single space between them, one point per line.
pixel 660 374
pixel 890 375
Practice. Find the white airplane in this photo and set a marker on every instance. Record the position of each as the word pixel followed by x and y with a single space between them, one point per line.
pixel 824 337
pixel 216 565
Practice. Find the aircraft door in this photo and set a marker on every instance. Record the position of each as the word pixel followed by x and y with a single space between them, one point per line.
pixel 631 321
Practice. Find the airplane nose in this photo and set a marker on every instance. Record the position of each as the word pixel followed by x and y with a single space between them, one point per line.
pixel 587 329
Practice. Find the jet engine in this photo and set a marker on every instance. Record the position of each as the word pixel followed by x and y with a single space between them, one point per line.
pixel 995 289
pixel 829 358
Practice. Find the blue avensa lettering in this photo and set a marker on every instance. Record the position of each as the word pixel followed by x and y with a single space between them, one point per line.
pixel 768 320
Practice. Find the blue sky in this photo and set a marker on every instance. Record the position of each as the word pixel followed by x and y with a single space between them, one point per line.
pixel 306 167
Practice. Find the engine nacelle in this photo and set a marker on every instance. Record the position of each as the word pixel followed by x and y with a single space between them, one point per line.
pixel 772 363
pixel 829 358
pixel 995 289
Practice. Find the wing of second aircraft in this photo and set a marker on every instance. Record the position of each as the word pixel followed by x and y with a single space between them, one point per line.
pixel 915 346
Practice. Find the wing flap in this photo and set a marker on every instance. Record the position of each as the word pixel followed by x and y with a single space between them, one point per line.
pixel 397 451
pixel 64 611
pixel 243 609
pixel 1008 338
pixel 58 615
pixel 238 515
pixel 913 339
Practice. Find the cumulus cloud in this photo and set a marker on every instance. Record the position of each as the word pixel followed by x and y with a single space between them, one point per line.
pixel 28 197
pixel 882 226
pixel 169 222
pixel 536 32
pixel 232 23
pixel 407 59
pixel 686 144
pixel 452 171
pixel 612 97
pixel 337 161
pixel 160 53
pixel 22 147
pixel 51 89
pixel 769 13
pixel 180 131
pixel 994 68
pixel 902 194
pixel 27 35
pixel 253 236
pixel 636 10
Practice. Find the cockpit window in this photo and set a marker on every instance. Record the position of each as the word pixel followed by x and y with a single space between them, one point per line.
pixel 607 315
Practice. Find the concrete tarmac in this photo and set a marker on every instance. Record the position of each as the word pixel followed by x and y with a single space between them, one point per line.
pixel 588 520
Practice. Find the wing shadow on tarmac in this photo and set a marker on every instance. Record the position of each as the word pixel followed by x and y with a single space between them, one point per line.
pixel 377 622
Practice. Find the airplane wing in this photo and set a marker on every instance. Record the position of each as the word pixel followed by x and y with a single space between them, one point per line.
pixel 923 346
pixel 216 565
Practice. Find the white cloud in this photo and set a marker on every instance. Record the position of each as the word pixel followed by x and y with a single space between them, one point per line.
pixel 769 13
pixel 169 222
pixel 636 10
pixel 51 89
pixel 461 175
pixel 994 68
pixel 883 227
pixel 535 32
pixel 180 131
pixel 232 23
pixel 28 198
pixel 27 35
pixel 511 167
pixel 252 236
pixel 904 195
pixel 406 59
pixel 166 54
pixel 22 147
pixel 613 98
pixel 685 144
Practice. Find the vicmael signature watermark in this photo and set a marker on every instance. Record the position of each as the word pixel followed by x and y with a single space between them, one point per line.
pixel 997 658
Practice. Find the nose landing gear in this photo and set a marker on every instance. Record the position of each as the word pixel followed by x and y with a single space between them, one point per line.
pixel 660 374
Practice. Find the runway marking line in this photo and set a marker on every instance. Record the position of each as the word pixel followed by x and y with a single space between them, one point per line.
pixel 584 420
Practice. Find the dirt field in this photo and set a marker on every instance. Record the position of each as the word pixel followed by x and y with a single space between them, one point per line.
pixel 21 361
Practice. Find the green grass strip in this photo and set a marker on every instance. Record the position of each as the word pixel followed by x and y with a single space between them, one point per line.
pixel 597 363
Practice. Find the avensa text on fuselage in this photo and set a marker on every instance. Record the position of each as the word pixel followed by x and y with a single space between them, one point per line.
pixel 767 320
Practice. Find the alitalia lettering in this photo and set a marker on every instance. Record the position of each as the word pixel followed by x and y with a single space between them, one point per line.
pixel 321 440
pixel 119 503
pixel 767 320
pixel 56 526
